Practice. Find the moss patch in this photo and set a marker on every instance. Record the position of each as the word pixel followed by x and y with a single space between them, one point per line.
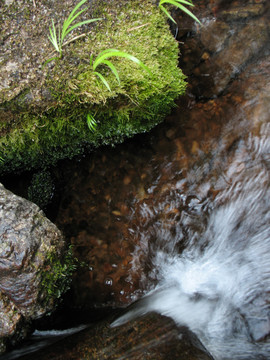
pixel 56 275
pixel 38 136
pixel 41 189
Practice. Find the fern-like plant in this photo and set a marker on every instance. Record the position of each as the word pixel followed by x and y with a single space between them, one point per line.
pixel 58 39
pixel 179 4
pixel 102 59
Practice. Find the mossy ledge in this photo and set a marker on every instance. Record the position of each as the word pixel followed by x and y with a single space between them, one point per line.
pixel 46 120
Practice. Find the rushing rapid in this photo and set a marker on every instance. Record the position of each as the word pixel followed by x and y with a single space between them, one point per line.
pixel 219 285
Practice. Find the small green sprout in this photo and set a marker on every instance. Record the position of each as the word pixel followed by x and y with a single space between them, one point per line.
pixel 58 39
pixel 178 3
pixel 102 59
pixel 91 122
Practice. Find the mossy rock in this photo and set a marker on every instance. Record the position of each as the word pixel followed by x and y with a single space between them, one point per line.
pixel 43 118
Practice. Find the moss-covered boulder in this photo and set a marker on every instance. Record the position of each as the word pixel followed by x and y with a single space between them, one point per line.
pixel 44 107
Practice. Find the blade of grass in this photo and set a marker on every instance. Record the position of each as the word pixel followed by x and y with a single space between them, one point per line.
pixel 70 19
pixel 53 37
pixel 183 8
pixel 58 42
pixel 113 69
pixel 114 52
pixel 178 3
pixel 49 60
pixel 80 24
pixel 76 8
pixel 102 78
pixel 167 13
pixel 68 22
pixel 91 60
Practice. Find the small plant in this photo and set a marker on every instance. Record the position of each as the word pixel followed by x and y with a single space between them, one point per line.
pixel 102 59
pixel 58 40
pixel 91 122
pixel 178 3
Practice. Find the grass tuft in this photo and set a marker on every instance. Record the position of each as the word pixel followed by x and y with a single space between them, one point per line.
pixel 179 4
pixel 102 59
pixel 57 38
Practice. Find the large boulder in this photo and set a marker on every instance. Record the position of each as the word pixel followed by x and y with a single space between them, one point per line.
pixel 31 248
pixel 45 107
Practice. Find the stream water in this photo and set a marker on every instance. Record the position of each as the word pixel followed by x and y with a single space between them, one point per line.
pixel 219 286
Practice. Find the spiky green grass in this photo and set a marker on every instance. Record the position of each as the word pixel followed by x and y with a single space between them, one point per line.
pixel 57 37
pixel 102 59
pixel 179 5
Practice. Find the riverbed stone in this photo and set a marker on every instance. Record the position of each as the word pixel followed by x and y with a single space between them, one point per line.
pixel 214 35
pixel 28 240
pixel 151 337
pixel 231 36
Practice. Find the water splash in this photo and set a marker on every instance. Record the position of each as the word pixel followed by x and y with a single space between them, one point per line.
pixel 219 286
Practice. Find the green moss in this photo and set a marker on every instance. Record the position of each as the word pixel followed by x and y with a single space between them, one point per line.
pixel 42 137
pixel 41 189
pixel 56 275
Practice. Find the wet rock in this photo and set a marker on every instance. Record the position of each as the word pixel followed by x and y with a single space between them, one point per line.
pixel 152 337
pixel 27 240
pixel 243 12
pixel 232 34
pixel 214 35
pixel 13 327
pixel 230 62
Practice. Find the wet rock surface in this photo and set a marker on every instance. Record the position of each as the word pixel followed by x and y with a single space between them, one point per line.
pixel 27 237
pixel 152 337
pixel 234 34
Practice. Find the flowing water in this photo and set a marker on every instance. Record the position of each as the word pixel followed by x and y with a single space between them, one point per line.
pixel 219 286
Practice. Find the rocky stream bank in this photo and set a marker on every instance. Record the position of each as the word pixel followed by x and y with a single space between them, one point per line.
pixel 115 205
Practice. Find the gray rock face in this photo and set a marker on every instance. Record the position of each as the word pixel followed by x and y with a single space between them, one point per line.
pixel 27 238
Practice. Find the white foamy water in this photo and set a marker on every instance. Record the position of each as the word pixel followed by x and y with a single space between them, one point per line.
pixel 219 287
